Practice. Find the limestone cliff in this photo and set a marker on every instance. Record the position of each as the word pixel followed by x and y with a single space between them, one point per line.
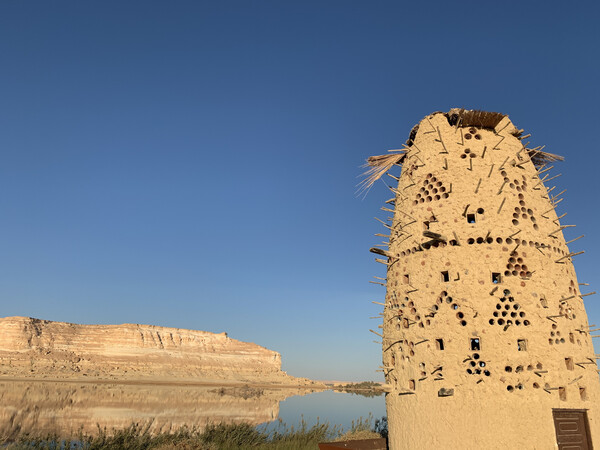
pixel 44 349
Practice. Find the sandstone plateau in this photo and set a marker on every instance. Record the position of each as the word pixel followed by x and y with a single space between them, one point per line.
pixel 41 349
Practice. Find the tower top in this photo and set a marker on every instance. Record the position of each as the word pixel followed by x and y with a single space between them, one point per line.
pixel 459 118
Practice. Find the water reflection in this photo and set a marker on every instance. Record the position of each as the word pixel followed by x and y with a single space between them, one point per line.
pixel 67 407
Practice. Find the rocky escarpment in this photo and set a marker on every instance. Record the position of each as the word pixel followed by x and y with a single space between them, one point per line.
pixel 44 349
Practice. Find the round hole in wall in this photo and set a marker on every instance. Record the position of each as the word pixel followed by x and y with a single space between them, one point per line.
pixel 554 326
pixel 512 186
pixel 499 240
pixel 517 322
pixel 507 273
pixel 519 189
pixel 539 366
pixel 438 184
pixel 437 197
pixel 498 306
pixel 507 306
pixel 562 340
pixel 429 199
pixel 536 386
pixel 521 314
pixel 504 313
pixel 486 373
pixel 460 315
pixel 509 241
pixel 469 371
pixel 481 363
pixel 535 226
pixel 517 267
pixel 463 156
pixel 463 323
pixel 470 241
pixel 421 200
pixel 508 369
pixel 513 314
pixel 550 341
pixel 509 388
pixel 524 216
pixel 521 202
pixel 491 321
pixel 500 321
pixel 454 306
pixel 430 186
pixel 444 195
pixel 557 341
pixel 520 386
pixel 480 240
pixel 495 313
pixel 514 222
pixel 519 369
pixel 472 363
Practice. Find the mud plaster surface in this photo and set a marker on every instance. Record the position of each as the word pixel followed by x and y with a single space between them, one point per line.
pixel 500 276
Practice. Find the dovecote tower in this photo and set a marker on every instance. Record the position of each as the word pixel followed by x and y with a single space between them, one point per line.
pixel 486 342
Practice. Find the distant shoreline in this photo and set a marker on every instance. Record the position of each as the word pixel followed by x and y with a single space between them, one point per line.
pixel 162 382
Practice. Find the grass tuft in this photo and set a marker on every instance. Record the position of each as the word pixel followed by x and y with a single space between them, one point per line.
pixel 220 436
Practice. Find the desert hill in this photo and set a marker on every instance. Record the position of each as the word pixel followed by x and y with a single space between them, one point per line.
pixel 43 349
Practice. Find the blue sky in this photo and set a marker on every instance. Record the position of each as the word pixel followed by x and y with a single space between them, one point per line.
pixel 194 164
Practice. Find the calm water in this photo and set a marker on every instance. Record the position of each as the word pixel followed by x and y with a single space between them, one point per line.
pixel 65 408
pixel 334 407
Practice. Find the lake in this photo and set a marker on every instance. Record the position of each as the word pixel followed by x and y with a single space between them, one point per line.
pixel 66 407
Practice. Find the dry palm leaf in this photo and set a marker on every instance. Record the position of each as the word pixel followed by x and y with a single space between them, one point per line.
pixel 377 167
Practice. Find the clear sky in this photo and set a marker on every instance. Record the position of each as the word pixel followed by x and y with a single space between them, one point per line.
pixel 193 164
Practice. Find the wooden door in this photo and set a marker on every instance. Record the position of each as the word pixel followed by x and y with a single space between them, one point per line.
pixel 572 432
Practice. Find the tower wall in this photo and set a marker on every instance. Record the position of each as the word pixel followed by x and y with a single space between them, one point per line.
pixel 484 327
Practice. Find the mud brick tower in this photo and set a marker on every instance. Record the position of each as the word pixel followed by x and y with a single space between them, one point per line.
pixel 486 343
